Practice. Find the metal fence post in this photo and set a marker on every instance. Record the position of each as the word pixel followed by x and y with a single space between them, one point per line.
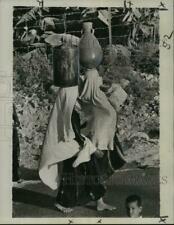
pixel 110 32
pixel 110 27
pixel 64 23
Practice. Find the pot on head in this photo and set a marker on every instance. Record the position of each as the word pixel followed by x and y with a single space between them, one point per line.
pixel 91 53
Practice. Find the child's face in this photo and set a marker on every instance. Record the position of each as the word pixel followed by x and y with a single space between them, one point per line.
pixel 134 211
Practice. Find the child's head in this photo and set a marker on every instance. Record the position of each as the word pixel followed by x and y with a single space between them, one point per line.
pixel 134 206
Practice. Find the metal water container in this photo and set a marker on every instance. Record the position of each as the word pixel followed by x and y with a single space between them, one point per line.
pixel 66 63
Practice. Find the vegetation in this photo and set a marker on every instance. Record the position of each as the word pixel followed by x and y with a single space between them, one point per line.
pixel 136 64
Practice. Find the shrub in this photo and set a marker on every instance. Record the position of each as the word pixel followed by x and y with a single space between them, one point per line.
pixel 146 58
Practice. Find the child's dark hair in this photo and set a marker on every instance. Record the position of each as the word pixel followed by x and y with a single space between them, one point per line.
pixel 134 198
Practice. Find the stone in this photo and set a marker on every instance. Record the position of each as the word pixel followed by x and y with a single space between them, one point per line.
pixel 124 83
pixel 140 135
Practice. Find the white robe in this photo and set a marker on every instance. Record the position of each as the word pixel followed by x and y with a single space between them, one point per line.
pixel 59 143
pixel 102 121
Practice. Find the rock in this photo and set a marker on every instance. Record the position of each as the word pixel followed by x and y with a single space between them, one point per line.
pixel 117 54
pixel 134 73
pixel 124 83
pixel 144 153
pixel 156 98
pixel 140 135
pixel 143 75
pixel 154 133
pixel 149 77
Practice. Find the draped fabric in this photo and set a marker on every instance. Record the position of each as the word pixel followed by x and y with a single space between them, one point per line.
pixel 102 121
pixel 59 143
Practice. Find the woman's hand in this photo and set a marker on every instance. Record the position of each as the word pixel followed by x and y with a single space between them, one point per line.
pixel 77 106
pixel 104 88
pixel 99 153
pixel 54 89
pixel 107 89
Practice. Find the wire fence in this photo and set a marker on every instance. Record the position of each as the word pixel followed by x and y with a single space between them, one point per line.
pixel 61 20
pixel 62 16
pixel 97 28
pixel 104 41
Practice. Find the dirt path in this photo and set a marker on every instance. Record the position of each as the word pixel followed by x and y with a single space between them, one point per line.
pixel 33 199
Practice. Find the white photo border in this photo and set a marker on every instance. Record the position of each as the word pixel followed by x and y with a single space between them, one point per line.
pixel 166 110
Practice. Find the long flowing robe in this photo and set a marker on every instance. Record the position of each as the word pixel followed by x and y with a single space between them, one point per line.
pixel 59 143
pixel 101 131
pixel 102 122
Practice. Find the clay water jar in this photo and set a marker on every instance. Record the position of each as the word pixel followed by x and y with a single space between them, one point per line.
pixel 91 53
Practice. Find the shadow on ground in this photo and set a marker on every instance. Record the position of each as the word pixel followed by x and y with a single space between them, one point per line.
pixel 32 199
pixel 28 174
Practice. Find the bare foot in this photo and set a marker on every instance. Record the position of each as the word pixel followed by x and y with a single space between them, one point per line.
pixel 103 206
pixel 63 209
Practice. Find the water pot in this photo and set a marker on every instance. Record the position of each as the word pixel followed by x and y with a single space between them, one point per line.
pixel 91 53
pixel 66 64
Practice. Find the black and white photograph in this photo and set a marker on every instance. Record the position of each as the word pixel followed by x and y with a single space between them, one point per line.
pixel 86 111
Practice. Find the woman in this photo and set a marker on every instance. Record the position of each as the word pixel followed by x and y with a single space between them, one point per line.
pixel 101 124
pixel 76 185
pixel 69 160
